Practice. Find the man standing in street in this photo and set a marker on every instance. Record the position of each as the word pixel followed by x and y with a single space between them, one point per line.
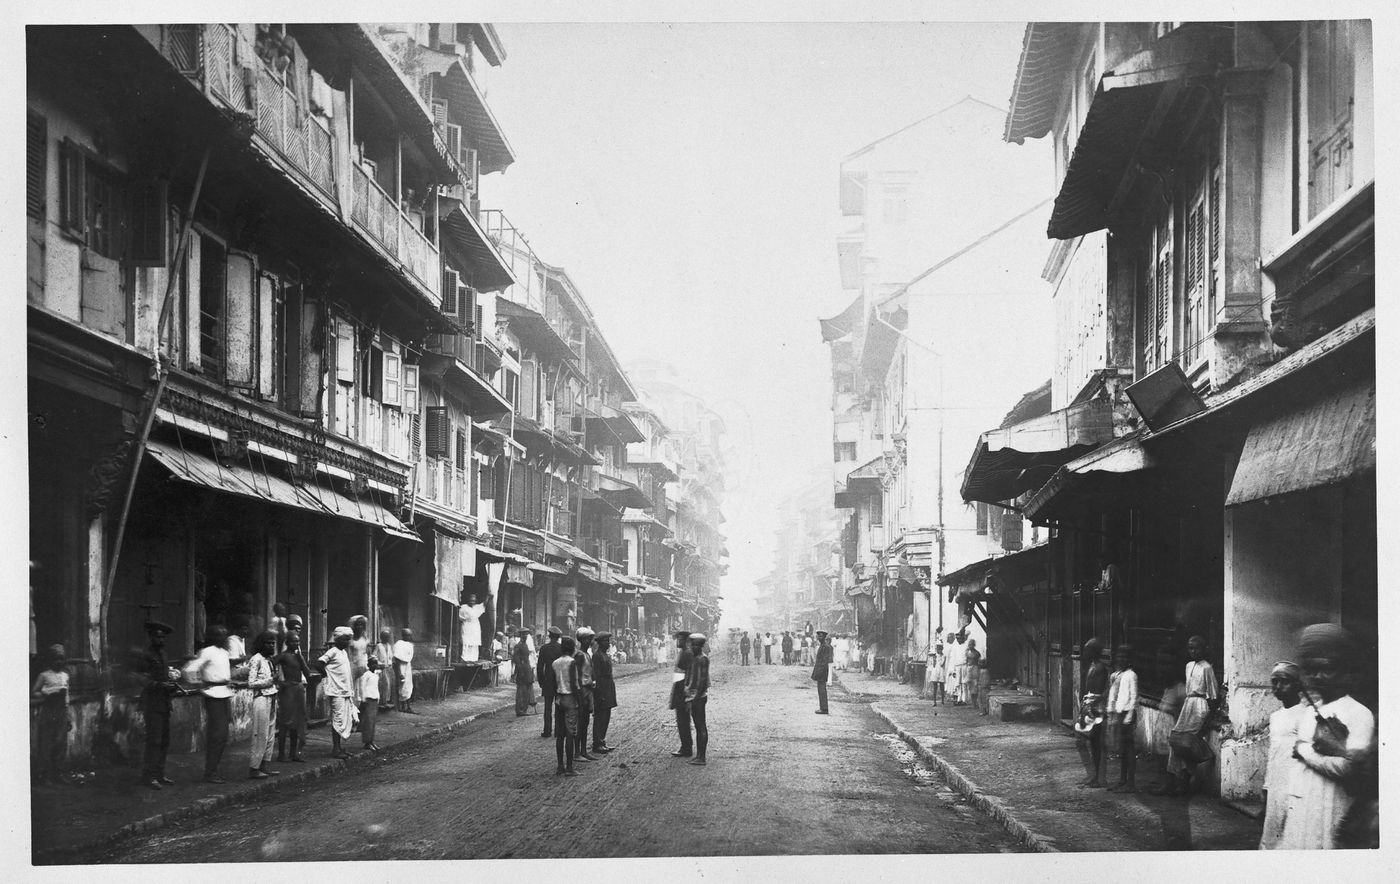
pixel 155 705
pixel 212 671
pixel 787 648
pixel 697 694
pixel 548 684
pixel 604 692
pixel 678 703
pixel 584 656
pixel 744 646
pixel 821 672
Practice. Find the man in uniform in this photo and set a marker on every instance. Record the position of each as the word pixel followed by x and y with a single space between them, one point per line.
pixel 678 677
pixel 822 670
pixel 584 656
pixel 697 694
pixel 604 692
pixel 155 705
pixel 544 668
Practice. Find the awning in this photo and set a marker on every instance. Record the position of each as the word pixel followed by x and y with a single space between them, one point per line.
pixel 534 331
pixel 200 469
pixel 489 271
pixel 629 581
pixel 494 152
pixel 623 494
pixel 842 323
pixel 1320 443
pixel 1118 119
pixel 1046 50
pixel 1125 455
pixel 1008 462
pixel 482 398
pixel 564 550
pixel 866 477
pixel 539 568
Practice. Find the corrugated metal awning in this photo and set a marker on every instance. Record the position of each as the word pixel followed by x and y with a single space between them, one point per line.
pixel 200 469
pixel 494 152
pixel 490 272
pixel 1046 49
pixel 1010 461
pixel 1320 443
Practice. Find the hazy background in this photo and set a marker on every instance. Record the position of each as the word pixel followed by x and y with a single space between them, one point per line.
pixel 686 177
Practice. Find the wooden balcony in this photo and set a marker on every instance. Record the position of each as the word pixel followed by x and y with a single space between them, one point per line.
pixel 378 216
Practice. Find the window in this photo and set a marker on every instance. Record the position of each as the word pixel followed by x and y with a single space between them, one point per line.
pixel 844 451
pixel 1330 70
pixel 462 449
pixel 510 387
pixel 37 166
pixel 1155 326
pixel 94 203
pixel 438 429
pixel 213 265
pixel 410 389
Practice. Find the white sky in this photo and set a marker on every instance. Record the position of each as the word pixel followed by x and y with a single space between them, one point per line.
pixel 686 176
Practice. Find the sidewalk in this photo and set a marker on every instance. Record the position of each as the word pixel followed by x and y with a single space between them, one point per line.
pixel 112 804
pixel 1026 775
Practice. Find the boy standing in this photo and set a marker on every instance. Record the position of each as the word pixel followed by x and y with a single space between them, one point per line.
pixel 1122 717
pixel 291 697
pixel 262 681
pixel 697 694
pixel 385 652
pixel 369 702
pixel 1286 681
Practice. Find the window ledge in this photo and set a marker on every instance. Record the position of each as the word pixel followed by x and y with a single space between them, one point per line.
pixel 1326 221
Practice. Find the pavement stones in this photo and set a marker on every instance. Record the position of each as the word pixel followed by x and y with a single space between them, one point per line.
pixel 1025 775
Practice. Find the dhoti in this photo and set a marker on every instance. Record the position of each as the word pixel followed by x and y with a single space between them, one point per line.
pixel 344 715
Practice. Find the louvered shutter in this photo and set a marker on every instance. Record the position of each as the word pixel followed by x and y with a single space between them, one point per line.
pixel 37 167
pixel 392 388
pixel 415 435
pixel 149 222
pixel 1011 523
pixel 461 449
pixel 486 481
pixel 436 434
pixel 466 306
pixel 312 347
pixel 1215 266
pixel 450 283
pixel 344 351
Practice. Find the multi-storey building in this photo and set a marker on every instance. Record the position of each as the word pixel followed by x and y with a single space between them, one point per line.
pixel 940 221
pixel 1209 463
pixel 805 585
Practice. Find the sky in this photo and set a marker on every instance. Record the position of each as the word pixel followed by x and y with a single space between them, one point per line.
pixel 686 177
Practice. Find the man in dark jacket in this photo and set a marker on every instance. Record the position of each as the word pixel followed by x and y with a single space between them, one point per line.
pixel 544 669
pixel 604 691
pixel 822 671
pixel 678 676
pixel 787 649
pixel 156 705
pixel 744 645
pixel 697 694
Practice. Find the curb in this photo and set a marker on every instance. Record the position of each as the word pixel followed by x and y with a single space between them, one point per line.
pixel 970 790
pixel 204 806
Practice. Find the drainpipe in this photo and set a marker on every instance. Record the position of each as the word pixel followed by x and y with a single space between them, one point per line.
pixel 162 372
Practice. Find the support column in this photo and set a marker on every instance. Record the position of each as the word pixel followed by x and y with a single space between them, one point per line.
pixel 96 576
pixel 316 616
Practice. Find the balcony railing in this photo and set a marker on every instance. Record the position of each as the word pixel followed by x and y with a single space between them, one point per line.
pixel 376 213
pixel 235 76
pixel 516 251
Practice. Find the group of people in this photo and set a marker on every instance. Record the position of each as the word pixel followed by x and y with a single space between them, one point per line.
pixel 1320 786
pixel 793 648
pixel 968 683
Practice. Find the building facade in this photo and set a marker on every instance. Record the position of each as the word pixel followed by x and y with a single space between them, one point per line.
pixel 1208 462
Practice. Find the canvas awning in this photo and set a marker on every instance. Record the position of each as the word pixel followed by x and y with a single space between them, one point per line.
pixel 535 331
pixel 1319 443
pixel 490 272
pixel 201 469
pixel 1010 461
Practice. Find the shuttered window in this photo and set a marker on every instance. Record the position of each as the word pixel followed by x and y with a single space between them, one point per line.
pixel 239 322
pixel 410 389
pixel 461 449
pixel 344 352
pixel 450 283
pixel 37 165
pixel 437 431
pixel 150 219
pixel 269 324
pixel 486 480
pixel 1195 270
pixel 72 189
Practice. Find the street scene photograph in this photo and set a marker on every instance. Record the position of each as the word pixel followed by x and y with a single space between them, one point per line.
pixel 712 440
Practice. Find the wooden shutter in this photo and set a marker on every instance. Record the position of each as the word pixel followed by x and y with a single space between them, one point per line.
pixel 194 250
pixel 392 388
pixel 239 321
pixel 437 430
pixel 344 351
pixel 466 307
pixel 410 389
pixel 485 480
pixel 72 189
pixel 149 224
pixel 1215 265
pixel 462 449
pixel 37 168
pixel 415 435
pixel 454 139
pixel 311 345
pixel 269 333
pixel 440 115
pixel 450 283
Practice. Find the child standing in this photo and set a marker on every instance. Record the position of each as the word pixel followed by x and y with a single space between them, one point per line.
pixel 1286 681
pixel 262 681
pixel 938 673
pixel 50 695
pixel 1122 717
pixel 291 697
pixel 369 702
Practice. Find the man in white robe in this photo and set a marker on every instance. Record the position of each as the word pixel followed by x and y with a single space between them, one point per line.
pixel 403 669
pixel 469 613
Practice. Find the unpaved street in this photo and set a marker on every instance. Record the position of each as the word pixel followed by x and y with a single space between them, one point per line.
pixel 781 780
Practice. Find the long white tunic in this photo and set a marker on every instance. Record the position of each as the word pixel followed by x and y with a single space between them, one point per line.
pixel 1283 733
pixel 470 617
pixel 1317 800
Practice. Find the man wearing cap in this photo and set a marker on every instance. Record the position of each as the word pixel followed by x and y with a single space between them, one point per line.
pixel 821 672
pixel 469 613
pixel 340 691
pixel 156 705
pixel 604 692
pixel 678 676
pixel 549 686
pixel 697 693
pixel 584 657
pixel 403 669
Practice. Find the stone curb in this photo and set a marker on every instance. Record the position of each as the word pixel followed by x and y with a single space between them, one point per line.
pixel 970 790
pixel 205 806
